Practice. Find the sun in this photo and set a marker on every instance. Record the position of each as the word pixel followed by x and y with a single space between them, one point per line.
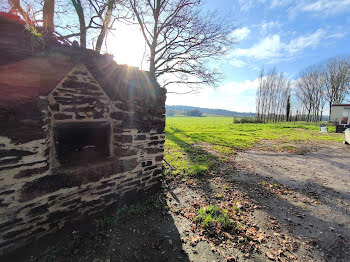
pixel 127 45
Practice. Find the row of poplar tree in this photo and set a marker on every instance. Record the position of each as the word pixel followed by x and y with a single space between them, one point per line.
pixel 317 88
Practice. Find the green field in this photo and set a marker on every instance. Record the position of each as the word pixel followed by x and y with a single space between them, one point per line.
pixel 195 145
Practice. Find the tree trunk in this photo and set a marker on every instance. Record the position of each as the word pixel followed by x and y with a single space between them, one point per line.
pixel 106 24
pixel 80 13
pixel 48 15
pixel 152 63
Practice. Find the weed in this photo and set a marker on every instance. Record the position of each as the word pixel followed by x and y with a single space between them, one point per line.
pixel 213 215
pixel 232 180
pixel 76 240
pixel 225 187
pixel 235 209
pixel 208 221
pixel 104 222
pixel 50 253
pixel 36 39
pixel 136 209
pixel 263 183
pixel 276 185
pixel 220 195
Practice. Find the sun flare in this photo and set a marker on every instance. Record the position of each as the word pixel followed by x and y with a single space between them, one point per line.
pixel 127 46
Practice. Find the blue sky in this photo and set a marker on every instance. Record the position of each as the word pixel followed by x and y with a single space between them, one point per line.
pixel 287 34
pixel 290 35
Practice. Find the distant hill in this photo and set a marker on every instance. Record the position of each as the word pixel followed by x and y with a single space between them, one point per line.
pixel 179 110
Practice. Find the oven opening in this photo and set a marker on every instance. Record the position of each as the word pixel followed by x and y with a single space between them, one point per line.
pixel 82 143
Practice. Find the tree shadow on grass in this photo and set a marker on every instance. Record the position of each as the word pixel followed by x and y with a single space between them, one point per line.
pixel 331 236
pixel 194 154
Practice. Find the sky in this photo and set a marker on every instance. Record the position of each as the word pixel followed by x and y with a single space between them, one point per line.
pixel 287 34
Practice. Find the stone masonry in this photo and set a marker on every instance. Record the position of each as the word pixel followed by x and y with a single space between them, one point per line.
pixel 111 115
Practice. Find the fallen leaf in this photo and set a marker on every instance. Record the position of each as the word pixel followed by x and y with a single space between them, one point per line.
pixel 228 235
pixel 270 255
pixel 260 238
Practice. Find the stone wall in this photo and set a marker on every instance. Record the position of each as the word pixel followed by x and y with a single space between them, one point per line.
pixel 38 195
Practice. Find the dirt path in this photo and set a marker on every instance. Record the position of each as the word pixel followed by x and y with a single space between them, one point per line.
pixel 327 166
pixel 321 180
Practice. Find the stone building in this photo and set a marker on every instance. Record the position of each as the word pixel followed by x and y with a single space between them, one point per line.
pixel 78 132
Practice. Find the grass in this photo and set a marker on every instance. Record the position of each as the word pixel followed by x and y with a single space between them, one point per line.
pixel 186 138
pixel 214 216
pixel 136 209
pixel 51 253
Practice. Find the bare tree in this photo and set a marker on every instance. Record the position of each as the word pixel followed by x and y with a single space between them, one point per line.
pixel 336 78
pixel 101 15
pixel 181 40
pixel 310 91
pixel 89 20
pixel 272 96
pixel 16 6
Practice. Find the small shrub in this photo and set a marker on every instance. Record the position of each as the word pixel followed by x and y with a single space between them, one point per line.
pixel 245 120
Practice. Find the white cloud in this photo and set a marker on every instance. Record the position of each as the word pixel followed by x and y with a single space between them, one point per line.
pixel 246 4
pixel 295 7
pixel 269 47
pixel 237 88
pixel 319 8
pixel 235 96
pixel 302 42
pixel 267 26
pixel 338 35
pixel 272 48
pixel 241 33
pixel 238 63
pixel 325 6
pixel 279 3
